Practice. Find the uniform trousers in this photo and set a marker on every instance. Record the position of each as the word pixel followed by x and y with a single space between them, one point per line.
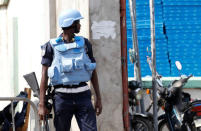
pixel 79 104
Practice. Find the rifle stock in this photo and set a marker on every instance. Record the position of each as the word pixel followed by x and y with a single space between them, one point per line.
pixel 33 83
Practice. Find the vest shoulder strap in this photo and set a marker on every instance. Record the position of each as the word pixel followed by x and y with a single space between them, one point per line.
pixel 56 41
pixel 59 45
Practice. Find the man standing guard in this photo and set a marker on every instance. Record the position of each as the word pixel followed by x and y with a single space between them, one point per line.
pixel 69 63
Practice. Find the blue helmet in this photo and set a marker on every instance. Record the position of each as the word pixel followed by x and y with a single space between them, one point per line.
pixel 67 18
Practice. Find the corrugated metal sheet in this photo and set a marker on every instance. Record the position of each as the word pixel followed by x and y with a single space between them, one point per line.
pixel 183 28
pixel 178 36
pixel 144 40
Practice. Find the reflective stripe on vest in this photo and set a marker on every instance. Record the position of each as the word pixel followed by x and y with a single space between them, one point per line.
pixel 71 65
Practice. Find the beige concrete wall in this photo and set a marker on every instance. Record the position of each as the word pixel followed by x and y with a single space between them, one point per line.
pixel 105 37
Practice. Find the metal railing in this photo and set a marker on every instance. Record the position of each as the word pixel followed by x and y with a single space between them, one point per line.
pixel 37 120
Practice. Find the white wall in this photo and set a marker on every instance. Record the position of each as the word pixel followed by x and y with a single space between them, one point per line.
pixel 24 25
pixel 4 62
pixel 33 24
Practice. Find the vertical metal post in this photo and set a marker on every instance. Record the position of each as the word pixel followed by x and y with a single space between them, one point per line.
pixel 153 59
pixel 13 120
pixel 137 68
pixel 124 65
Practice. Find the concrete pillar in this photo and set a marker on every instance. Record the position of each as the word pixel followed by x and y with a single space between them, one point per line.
pixel 105 38
pixel 52 18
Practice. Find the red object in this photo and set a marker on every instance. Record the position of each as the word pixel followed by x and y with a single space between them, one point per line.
pixel 124 64
pixel 197 109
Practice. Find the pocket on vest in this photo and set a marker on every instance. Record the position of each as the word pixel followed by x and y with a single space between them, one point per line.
pixel 90 66
pixel 67 66
pixel 79 65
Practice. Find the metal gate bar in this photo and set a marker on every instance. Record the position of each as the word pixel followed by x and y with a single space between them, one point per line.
pixel 37 123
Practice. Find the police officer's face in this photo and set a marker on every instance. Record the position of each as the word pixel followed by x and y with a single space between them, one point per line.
pixel 77 26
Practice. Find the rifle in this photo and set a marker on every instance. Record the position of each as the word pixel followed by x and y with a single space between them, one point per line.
pixel 33 83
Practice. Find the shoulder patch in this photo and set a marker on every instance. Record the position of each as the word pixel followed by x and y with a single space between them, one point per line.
pixel 43 50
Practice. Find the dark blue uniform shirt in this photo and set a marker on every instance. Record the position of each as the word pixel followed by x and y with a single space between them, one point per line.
pixel 47 57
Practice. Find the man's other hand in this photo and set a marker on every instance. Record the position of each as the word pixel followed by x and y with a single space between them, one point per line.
pixel 98 107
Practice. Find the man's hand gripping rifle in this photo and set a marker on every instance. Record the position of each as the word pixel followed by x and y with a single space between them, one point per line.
pixel 33 83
